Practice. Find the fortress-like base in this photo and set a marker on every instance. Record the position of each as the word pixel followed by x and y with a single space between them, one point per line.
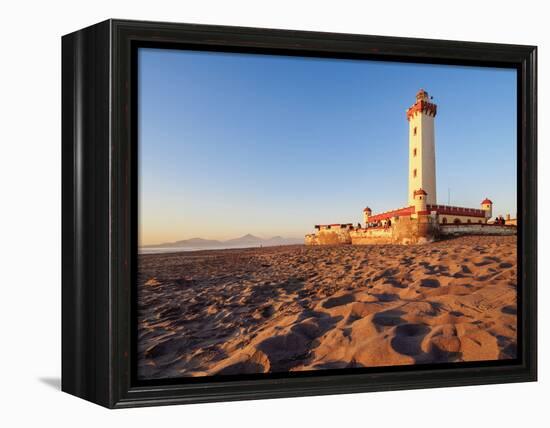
pixel 404 231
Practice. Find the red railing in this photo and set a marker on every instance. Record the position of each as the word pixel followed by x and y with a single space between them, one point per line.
pixel 389 214
pixel 450 210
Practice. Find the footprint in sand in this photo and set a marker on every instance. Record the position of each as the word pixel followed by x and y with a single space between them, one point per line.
pixel 386 274
pixel 388 318
pixel 243 367
pixel 268 311
pixel 510 310
pixel 338 301
pixel 408 338
pixel 395 282
pixel 386 297
pixel 429 283
pixel 483 261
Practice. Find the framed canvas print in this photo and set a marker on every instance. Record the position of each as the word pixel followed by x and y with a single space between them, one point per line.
pixel 253 213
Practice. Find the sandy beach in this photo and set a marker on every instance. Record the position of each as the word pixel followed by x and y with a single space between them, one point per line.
pixel 297 308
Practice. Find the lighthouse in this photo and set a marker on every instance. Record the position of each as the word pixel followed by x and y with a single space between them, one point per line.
pixel 423 219
pixel 421 116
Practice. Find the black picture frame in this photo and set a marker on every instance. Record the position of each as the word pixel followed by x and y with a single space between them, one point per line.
pixel 99 209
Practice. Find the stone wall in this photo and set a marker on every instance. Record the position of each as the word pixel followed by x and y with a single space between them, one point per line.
pixel 374 235
pixel 404 230
pixel 476 229
pixel 311 239
pixel 419 230
pixel 336 236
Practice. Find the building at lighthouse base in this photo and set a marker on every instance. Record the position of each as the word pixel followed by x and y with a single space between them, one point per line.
pixel 415 224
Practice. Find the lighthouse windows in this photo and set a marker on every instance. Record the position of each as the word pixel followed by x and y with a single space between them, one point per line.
pixel 414 131
pixel 414 173
pixel 414 152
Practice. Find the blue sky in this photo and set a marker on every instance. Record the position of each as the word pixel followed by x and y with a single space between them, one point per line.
pixel 271 145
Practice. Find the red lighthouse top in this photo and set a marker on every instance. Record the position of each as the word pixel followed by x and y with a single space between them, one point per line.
pixel 486 201
pixel 422 105
pixel 422 95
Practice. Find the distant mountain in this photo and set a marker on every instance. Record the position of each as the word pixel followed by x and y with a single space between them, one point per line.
pixel 247 240
pixel 193 242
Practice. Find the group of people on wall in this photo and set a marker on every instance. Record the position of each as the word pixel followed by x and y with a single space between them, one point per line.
pixel 500 220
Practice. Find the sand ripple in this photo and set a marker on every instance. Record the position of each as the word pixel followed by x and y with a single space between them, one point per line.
pixel 303 308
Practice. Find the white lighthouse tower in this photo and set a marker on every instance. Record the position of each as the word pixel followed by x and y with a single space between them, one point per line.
pixel 421 117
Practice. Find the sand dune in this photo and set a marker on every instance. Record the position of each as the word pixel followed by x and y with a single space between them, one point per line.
pixel 305 308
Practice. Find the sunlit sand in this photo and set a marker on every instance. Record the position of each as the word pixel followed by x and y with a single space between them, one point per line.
pixel 298 308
